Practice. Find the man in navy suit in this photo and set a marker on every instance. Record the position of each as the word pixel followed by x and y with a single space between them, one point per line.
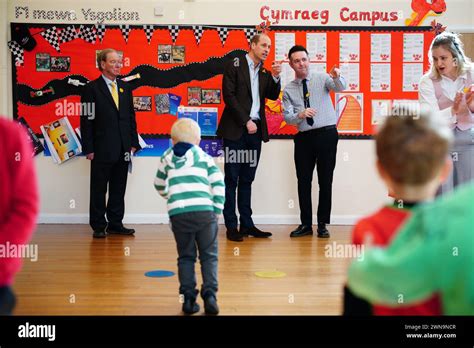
pixel 243 126
pixel 109 137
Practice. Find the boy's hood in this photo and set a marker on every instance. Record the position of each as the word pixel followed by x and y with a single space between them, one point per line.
pixel 174 161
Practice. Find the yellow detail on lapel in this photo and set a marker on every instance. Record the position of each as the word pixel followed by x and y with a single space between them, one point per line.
pixel 264 71
pixel 121 90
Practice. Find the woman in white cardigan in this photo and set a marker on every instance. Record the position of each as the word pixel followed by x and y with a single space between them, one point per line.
pixel 448 88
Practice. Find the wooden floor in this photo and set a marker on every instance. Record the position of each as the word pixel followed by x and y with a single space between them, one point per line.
pixel 78 275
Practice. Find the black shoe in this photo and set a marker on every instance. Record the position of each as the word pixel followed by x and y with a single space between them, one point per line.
pixel 234 235
pixel 190 306
pixel 302 230
pixel 120 230
pixel 210 305
pixel 323 231
pixel 99 234
pixel 254 232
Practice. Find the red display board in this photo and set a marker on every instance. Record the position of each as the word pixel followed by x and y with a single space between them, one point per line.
pixel 202 67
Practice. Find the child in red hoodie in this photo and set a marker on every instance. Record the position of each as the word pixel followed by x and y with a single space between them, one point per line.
pixel 18 204
pixel 412 159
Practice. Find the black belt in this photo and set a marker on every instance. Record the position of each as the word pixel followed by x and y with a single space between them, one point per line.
pixel 320 129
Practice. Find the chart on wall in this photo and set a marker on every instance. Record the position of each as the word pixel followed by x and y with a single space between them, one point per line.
pixel 176 71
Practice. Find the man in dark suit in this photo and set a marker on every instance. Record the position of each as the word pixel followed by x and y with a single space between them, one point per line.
pixel 109 138
pixel 243 126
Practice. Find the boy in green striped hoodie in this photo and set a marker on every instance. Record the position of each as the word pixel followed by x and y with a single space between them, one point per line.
pixel 194 187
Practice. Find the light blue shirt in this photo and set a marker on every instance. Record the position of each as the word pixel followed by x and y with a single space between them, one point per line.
pixel 109 83
pixel 254 85
pixel 319 87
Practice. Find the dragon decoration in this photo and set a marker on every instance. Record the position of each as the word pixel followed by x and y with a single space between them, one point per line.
pixel 424 8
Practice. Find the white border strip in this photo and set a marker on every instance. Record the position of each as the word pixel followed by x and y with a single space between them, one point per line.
pixel 163 219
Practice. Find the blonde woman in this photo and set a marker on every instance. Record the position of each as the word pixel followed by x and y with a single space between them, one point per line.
pixel 448 88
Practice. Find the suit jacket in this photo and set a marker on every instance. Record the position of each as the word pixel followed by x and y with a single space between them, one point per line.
pixel 237 93
pixel 109 132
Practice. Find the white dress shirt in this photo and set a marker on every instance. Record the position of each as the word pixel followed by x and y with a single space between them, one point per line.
pixel 427 94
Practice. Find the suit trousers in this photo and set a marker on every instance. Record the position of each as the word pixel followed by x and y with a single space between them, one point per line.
pixel 241 161
pixel 315 147
pixel 114 175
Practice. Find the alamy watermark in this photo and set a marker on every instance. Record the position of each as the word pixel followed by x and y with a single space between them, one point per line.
pixel 23 251
pixel 409 108
pixel 67 108
pixel 228 155
pixel 37 331
pixel 344 251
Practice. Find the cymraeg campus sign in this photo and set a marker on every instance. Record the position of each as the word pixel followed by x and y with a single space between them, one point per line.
pixel 322 14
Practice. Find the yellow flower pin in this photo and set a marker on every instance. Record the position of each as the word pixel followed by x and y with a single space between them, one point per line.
pixel 121 90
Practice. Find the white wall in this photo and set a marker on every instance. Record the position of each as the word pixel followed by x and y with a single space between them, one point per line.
pixel 65 188
pixel 357 190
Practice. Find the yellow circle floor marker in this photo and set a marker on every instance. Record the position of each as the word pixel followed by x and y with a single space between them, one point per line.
pixel 270 274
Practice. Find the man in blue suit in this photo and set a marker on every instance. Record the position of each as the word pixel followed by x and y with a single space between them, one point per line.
pixel 246 84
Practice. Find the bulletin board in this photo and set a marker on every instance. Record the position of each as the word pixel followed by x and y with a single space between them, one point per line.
pixel 196 63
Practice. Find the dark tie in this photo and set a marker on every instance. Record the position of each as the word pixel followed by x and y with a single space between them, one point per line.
pixel 309 120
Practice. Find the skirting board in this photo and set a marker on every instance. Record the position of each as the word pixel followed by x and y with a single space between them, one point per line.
pixel 163 219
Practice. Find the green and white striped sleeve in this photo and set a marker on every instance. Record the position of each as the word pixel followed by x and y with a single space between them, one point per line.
pixel 161 182
pixel 216 181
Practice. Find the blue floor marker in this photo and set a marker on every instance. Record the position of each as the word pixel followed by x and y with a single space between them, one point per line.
pixel 159 274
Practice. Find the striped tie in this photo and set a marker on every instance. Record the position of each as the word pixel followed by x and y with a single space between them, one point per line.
pixel 115 94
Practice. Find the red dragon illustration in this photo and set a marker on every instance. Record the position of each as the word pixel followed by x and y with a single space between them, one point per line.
pixel 422 8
